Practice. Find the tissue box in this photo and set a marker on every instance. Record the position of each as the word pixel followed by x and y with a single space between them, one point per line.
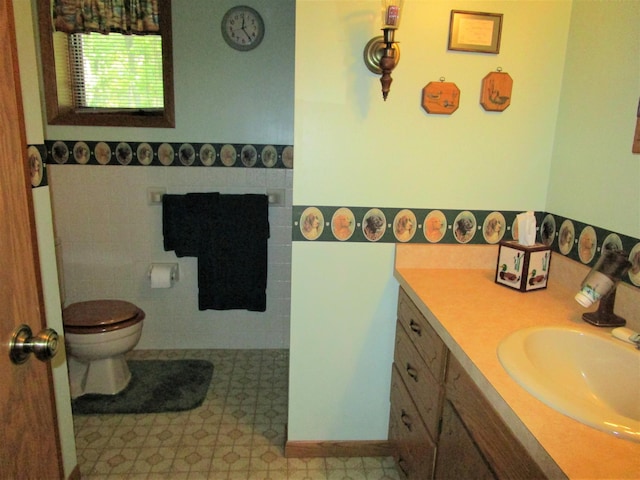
pixel 521 267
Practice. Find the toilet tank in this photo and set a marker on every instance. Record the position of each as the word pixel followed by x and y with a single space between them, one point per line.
pixel 59 267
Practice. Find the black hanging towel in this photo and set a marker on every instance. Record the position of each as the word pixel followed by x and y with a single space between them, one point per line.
pixel 228 234
pixel 185 222
pixel 232 273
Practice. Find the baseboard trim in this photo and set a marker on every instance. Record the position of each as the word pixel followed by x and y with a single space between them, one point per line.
pixel 75 474
pixel 369 448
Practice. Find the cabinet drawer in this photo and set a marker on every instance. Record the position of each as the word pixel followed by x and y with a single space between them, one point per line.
pixel 423 389
pixel 427 342
pixel 414 449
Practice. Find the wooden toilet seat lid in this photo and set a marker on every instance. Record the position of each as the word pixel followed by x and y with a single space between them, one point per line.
pixel 99 313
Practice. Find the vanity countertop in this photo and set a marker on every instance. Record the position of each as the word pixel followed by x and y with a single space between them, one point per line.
pixel 473 314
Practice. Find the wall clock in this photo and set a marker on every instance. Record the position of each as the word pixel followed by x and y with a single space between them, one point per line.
pixel 242 28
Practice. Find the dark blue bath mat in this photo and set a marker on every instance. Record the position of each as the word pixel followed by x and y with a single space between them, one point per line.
pixel 156 386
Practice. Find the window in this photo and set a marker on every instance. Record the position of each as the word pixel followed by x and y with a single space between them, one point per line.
pixel 116 71
pixel 107 80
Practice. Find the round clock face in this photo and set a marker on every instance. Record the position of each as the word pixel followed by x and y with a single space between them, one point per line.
pixel 242 28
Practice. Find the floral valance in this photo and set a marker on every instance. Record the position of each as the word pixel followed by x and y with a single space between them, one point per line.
pixel 130 17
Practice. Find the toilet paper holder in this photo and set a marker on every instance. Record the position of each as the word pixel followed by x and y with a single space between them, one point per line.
pixel 175 271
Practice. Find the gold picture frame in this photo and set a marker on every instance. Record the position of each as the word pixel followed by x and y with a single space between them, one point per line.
pixel 475 31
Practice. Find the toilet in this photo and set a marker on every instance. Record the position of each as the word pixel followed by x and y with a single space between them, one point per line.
pixel 98 334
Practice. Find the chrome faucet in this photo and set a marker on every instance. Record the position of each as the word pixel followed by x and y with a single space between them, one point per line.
pixel 600 284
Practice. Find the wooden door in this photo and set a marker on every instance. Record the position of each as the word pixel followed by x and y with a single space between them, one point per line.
pixel 29 440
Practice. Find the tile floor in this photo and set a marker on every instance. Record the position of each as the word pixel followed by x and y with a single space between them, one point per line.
pixel 237 433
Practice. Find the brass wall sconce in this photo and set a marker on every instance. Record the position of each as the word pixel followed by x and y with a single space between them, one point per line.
pixel 382 54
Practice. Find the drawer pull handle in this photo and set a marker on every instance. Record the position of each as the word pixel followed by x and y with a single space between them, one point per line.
pixel 415 327
pixel 402 463
pixel 412 372
pixel 406 420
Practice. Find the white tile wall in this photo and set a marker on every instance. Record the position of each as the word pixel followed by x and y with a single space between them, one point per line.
pixel 110 236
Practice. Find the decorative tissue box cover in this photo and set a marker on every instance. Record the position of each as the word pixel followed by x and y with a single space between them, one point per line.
pixel 521 267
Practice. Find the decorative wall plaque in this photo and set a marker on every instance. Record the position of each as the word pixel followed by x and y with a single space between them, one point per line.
pixel 496 91
pixel 441 97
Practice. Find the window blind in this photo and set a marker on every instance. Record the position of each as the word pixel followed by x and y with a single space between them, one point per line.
pixel 116 71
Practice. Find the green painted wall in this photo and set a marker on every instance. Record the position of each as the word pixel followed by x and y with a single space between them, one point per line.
pixel 354 149
pixel 594 175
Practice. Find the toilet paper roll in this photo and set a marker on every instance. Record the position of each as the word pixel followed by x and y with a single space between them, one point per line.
pixel 161 276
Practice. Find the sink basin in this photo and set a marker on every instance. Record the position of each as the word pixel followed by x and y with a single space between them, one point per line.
pixel 592 378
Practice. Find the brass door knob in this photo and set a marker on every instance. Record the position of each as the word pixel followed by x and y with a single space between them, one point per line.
pixel 44 345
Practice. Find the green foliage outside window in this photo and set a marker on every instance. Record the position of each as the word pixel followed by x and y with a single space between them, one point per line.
pixel 117 71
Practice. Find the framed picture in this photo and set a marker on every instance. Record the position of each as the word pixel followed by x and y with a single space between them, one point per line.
pixel 475 31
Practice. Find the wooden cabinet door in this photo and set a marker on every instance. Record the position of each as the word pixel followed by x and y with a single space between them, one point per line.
pixel 497 443
pixel 458 456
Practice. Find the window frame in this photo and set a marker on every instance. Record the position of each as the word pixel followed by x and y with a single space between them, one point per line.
pixel 58 114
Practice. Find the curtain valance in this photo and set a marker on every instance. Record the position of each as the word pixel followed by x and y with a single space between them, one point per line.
pixel 130 17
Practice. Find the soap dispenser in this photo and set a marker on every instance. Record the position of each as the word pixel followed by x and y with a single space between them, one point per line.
pixel 600 285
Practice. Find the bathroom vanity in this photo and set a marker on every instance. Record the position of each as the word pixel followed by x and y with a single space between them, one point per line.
pixel 439 417
pixel 455 412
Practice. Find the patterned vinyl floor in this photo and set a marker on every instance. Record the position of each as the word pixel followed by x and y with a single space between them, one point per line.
pixel 237 433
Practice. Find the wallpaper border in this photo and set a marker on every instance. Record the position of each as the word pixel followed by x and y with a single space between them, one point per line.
pixel 38 167
pixel 163 154
pixel 569 237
